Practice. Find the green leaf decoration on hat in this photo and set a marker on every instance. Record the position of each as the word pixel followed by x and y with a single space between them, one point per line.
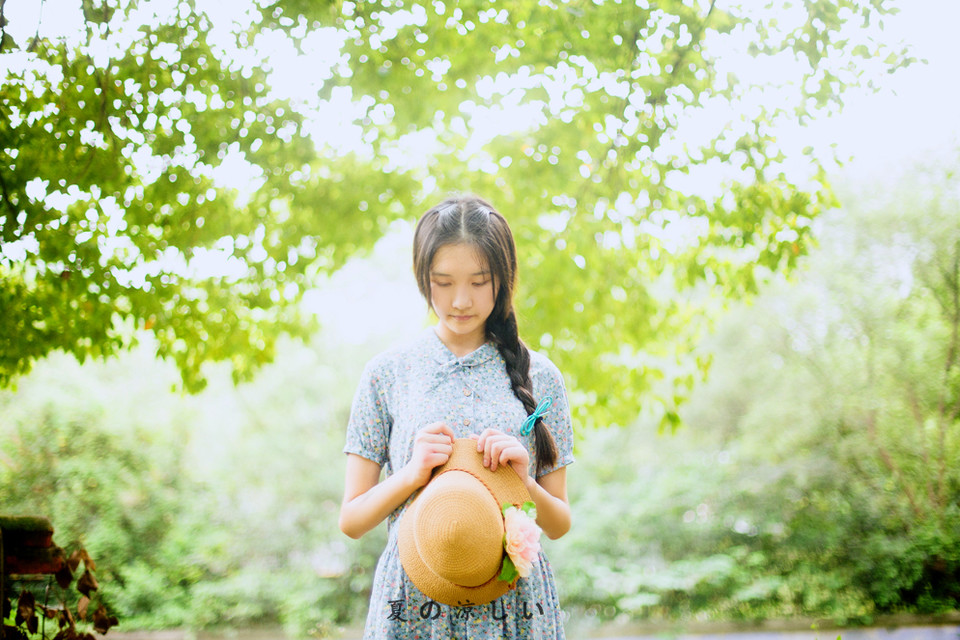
pixel 508 570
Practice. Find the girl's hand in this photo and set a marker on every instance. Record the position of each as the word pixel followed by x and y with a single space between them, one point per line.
pixel 432 447
pixel 500 449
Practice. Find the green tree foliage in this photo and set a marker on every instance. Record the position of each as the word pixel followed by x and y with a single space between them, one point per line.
pixel 818 477
pixel 593 125
pixel 111 139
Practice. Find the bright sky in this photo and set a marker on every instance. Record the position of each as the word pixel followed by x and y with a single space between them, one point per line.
pixel 916 112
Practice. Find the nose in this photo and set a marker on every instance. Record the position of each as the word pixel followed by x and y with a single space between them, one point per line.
pixel 463 299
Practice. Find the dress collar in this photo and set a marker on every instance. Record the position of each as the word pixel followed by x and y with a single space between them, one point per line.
pixel 442 355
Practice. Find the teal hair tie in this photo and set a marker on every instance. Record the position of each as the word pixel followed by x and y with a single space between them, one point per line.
pixel 531 420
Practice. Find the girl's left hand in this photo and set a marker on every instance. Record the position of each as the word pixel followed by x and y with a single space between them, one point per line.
pixel 500 449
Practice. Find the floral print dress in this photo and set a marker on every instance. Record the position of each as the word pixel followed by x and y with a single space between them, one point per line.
pixel 400 392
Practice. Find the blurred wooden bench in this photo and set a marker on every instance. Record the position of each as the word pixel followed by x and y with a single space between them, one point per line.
pixel 27 549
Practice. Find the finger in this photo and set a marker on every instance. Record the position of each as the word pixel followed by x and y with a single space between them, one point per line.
pixel 440 428
pixel 484 443
pixel 494 438
pixel 433 427
pixel 508 449
pixel 518 459
pixel 448 431
pixel 436 459
pixel 510 454
pixel 429 455
pixel 496 445
pixel 433 438
pixel 482 439
pixel 441 447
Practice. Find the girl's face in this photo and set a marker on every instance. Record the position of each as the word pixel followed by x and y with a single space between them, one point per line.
pixel 462 296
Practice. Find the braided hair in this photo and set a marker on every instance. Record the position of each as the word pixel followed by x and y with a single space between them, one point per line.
pixel 472 221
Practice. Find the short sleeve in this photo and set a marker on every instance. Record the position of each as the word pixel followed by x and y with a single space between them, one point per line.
pixel 547 381
pixel 368 431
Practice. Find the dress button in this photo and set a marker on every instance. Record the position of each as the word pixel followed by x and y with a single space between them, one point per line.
pixel 466 422
pixel 467 392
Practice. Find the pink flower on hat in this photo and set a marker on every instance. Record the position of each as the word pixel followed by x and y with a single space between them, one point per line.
pixel 522 538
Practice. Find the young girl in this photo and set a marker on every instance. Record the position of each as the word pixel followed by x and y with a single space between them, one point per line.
pixel 469 376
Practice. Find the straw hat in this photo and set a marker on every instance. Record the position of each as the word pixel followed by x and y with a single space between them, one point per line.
pixel 451 536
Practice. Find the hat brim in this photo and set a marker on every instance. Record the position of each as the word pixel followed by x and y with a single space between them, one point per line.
pixel 505 487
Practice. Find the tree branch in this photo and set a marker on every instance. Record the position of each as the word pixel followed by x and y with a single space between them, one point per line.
pixel 12 211
pixel 890 463
pixel 36 36
pixel 871 423
pixel 3 25
pixel 952 280
pixel 920 419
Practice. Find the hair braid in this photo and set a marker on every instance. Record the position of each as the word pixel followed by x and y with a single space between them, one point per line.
pixel 515 354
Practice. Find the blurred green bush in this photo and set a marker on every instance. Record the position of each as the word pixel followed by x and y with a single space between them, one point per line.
pixel 816 474
pixel 216 510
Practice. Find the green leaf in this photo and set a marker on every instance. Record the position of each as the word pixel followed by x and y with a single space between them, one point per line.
pixel 508 571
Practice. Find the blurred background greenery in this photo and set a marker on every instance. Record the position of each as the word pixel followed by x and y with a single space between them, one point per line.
pixel 198 253
pixel 815 476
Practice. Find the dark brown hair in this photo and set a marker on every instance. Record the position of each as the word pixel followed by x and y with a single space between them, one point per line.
pixel 472 221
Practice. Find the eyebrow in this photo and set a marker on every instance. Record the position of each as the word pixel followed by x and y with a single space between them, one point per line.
pixel 447 275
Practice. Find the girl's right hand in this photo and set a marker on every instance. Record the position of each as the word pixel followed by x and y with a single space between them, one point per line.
pixel 432 447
